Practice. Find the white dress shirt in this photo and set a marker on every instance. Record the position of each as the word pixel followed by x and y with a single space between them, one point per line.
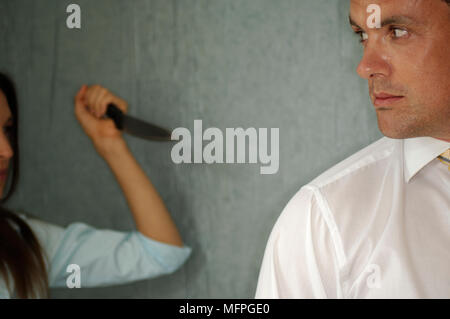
pixel 376 225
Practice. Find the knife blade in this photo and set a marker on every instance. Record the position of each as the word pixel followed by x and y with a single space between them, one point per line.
pixel 136 127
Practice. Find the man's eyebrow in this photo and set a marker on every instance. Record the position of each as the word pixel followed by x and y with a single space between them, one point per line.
pixel 388 21
pixel 398 20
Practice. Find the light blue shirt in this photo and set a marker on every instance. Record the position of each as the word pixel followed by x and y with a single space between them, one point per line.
pixel 105 257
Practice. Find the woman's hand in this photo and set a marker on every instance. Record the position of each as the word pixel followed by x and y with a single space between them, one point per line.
pixel 90 107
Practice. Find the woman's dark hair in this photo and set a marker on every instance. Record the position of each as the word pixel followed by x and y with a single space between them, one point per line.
pixel 21 257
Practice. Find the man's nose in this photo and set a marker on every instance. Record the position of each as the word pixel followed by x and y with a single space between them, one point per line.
pixel 374 62
pixel 6 151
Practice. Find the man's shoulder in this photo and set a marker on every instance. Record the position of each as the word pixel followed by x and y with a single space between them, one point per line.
pixel 370 157
pixel 343 197
pixel 349 186
pixel 346 178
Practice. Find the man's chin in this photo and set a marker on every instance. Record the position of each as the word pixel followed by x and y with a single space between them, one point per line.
pixel 393 131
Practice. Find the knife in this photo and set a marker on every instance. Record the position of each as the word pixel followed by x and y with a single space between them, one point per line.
pixel 137 127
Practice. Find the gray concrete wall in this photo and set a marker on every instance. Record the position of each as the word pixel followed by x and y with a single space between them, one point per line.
pixel 231 63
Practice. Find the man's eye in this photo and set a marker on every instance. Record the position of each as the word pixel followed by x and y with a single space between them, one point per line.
pixel 362 36
pixel 399 33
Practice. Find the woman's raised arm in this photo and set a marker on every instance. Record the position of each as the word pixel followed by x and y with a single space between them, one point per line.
pixel 150 214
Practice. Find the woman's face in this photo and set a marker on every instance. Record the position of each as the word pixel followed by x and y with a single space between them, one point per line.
pixel 6 151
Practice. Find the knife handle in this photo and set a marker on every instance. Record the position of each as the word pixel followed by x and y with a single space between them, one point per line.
pixel 116 114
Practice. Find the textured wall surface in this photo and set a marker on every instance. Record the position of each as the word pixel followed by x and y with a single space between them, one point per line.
pixel 231 63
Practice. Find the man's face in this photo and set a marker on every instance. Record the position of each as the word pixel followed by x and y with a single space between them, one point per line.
pixel 407 65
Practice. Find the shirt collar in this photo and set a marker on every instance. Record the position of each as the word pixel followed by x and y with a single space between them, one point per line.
pixel 419 151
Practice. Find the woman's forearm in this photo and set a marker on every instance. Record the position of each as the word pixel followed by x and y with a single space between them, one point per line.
pixel 150 214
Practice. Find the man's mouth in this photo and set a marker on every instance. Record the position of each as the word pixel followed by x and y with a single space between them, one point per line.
pixel 383 99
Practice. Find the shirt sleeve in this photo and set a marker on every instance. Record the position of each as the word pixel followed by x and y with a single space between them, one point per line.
pixel 105 257
pixel 300 260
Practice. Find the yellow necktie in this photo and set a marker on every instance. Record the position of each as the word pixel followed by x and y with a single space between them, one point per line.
pixel 445 158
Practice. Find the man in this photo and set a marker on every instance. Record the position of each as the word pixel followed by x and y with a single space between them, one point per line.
pixel 377 225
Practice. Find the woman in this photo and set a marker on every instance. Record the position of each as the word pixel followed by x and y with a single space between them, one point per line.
pixel 35 255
